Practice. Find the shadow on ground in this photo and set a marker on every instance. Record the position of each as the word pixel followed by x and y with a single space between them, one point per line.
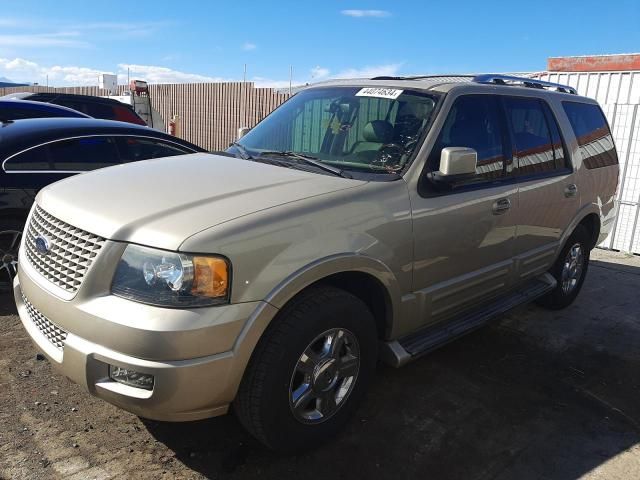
pixel 7 305
pixel 534 395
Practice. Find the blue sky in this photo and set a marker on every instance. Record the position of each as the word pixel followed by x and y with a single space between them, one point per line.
pixel 163 41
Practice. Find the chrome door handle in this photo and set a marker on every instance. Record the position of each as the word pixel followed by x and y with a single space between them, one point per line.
pixel 571 190
pixel 501 205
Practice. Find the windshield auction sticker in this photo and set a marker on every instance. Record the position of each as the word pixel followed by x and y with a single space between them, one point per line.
pixel 390 93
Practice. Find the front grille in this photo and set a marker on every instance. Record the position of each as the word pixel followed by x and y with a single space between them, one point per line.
pixel 71 250
pixel 54 333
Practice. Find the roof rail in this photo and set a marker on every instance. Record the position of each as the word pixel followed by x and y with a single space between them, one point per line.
pixel 419 77
pixel 523 81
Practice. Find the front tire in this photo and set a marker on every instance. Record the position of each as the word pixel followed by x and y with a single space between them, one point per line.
pixel 309 371
pixel 10 235
pixel 569 271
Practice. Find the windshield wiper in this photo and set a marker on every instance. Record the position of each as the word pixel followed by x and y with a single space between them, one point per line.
pixel 309 160
pixel 244 154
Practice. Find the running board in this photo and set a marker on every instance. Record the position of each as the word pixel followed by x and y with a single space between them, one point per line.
pixel 399 352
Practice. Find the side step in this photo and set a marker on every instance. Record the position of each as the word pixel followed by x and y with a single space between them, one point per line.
pixel 399 352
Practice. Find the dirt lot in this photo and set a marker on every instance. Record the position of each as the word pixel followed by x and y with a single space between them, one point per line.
pixel 535 395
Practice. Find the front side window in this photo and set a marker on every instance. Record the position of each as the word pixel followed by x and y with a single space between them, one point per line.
pixel 133 149
pixel 537 150
pixel 592 132
pixel 474 122
pixel 375 130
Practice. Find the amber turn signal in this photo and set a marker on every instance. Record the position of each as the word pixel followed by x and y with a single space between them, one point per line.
pixel 210 277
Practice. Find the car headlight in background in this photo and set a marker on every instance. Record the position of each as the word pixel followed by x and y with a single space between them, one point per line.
pixel 171 279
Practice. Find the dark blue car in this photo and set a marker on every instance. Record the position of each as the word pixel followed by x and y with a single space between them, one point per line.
pixel 21 109
pixel 39 151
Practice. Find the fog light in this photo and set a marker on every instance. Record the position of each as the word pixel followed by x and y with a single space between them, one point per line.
pixel 131 377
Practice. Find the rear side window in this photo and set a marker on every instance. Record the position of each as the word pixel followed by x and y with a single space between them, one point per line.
pixel 82 154
pixel 592 132
pixel 75 155
pixel 538 145
pixel 474 122
pixel 133 149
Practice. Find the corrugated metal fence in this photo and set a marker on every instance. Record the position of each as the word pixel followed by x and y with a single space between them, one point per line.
pixel 210 113
pixel 619 95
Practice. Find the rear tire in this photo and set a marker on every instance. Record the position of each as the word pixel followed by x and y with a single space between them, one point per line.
pixel 569 270
pixel 10 236
pixel 309 371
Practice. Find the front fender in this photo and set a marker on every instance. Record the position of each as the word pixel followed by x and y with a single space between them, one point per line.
pixel 324 267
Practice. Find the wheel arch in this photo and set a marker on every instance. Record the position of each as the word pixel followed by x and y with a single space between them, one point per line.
pixel 365 277
pixel 591 222
pixel 590 218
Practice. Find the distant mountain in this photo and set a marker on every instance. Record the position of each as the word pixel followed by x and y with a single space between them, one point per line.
pixel 6 82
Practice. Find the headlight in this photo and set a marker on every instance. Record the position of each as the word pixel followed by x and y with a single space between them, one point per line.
pixel 171 279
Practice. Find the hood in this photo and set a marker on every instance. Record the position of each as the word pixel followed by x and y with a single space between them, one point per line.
pixel 162 202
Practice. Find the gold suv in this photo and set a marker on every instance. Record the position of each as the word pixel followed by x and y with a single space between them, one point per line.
pixel 362 220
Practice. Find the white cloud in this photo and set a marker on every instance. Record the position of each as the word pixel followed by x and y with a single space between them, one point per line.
pixel 121 29
pixel 45 40
pixel 22 70
pixel 390 69
pixel 156 74
pixel 366 13
pixel 319 72
pixel 248 46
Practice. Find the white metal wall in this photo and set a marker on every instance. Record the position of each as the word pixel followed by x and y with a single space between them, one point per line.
pixel 619 95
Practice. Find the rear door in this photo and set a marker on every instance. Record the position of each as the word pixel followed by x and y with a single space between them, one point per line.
pixel 547 191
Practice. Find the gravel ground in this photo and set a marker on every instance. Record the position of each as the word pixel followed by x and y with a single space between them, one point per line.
pixel 534 395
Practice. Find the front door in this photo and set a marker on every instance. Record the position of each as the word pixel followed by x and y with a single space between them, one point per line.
pixel 465 233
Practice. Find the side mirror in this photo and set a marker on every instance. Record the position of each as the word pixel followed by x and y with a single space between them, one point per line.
pixel 457 162
pixel 242 131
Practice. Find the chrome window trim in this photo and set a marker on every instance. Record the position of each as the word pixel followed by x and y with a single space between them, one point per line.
pixel 75 138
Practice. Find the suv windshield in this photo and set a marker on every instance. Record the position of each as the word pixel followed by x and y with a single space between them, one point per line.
pixel 352 128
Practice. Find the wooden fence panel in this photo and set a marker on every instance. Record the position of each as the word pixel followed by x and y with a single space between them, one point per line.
pixel 210 113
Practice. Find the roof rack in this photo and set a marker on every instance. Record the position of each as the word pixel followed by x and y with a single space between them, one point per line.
pixel 523 81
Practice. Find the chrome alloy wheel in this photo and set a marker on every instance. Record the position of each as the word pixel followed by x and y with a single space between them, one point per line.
pixel 9 244
pixel 572 268
pixel 324 376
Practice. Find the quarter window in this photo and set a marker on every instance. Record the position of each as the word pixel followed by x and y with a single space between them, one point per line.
pixel 474 122
pixel 35 159
pixel 592 132
pixel 537 150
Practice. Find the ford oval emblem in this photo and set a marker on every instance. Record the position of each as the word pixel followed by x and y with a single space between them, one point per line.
pixel 43 245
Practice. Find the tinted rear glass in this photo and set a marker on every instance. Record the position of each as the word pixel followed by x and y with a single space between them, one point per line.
pixel 592 132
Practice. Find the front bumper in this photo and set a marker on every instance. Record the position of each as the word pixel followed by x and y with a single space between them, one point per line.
pixel 197 357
